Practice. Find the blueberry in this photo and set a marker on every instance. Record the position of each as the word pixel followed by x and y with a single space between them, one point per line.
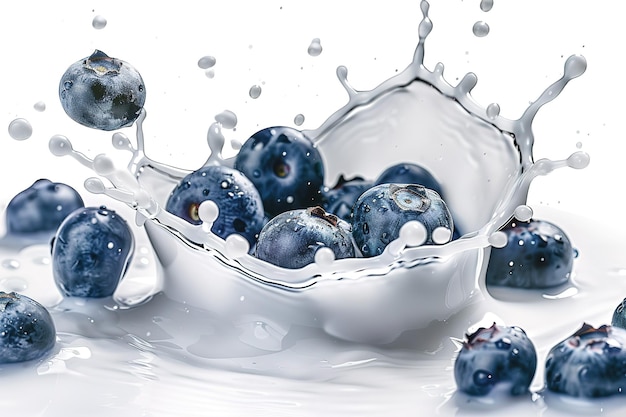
pixel 91 252
pixel 285 167
pixel 498 356
pixel 340 199
pixel 538 254
pixel 41 207
pixel 26 329
pixel 619 315
pixel 239 202
pixel 409 173
pixel 291 239
pixel 381 211
pixel 102 92
pixel 590 363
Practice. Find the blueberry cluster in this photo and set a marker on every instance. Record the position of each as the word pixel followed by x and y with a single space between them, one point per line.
pixel 591 363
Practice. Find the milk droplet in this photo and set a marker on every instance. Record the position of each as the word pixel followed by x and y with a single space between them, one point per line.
pixel 227 119
pixel 11 264
pixel 236 246
pixel 480 29
pixel 523 213
pixel 579 145
pixel 299 119
pixel 324 256
pixel 575 66
pixel 13 284
pixel 578 160
pixel 498 239
pixel 99 22
pixel 60 145
pixel 255 91
pixel 103 165
pixel 210 73
pixel 121 141
pixel 206 62
pixel 208 211
pixel 94 185
pixel 493 110
pixel 413 233
pixel 441 235
pixel 20 129
pixel 40 106
pixel 486 5
pixel 315 48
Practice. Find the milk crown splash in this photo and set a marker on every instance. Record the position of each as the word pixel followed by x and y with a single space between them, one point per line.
pixel 483 161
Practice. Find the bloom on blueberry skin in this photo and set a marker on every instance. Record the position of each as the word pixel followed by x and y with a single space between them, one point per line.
pixel 538 254
pixel 91 252
pixel 380 212
pixel 41 207
pixel 497 356
pixel 291 239
pixel 102 92
pixel 27 330
pixel 590 363
pixel 285 167
pixel 240 205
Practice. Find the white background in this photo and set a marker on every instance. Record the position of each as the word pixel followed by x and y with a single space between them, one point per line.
pixel 265 43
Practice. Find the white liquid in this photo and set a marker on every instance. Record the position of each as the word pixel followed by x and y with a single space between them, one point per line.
pixel 167 358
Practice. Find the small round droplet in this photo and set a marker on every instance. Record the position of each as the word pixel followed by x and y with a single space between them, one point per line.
pixel 94 185
pixel 523 213
pixel 60 145
pixel 208 211
pixel 324 256
pixel 206 62
pixel 227 119
pixel 498 239
pixel 255 91
pixel 575 66
pixel 121 141
pixel 236 246
pixel 493 110
pixel 579 145
pixel 210 73
pixel 480 29
pixel 99 22
pixel 20 129
pixel 413 233
pixel 103 165
pixel 11 264
pixel 315 47
pixel 299 119
pixel 40 106
pixel 486 5
pixel 442 235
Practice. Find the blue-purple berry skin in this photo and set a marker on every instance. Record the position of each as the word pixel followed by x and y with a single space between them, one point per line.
pixel 291 239
pixel 239 203
pixel 91 252
pixel 27 331
pixel 497 356
pixel 380 212
pixel 285 167
pixel 102 92
pixel 591 363
pixel 409 173
pixel 538 254
pixel 41 207
pixel 619 315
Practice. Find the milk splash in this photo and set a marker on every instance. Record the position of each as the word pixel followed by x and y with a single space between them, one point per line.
pixel 483 161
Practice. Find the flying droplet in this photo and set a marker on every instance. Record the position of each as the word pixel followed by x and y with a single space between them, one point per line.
pixel 99 22
pixel 480 29
pixel 20 129
pixel 315 48
pixel 208 211
pixel 486 5
pixel 40 106
pixel 498 240
pixel 255 91
pixel 299 119
pixel 236 246
pixel 206 62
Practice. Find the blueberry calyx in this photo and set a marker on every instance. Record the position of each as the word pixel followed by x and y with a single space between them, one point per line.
pixel 319 212
pixel 102 64
pixel 410 197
